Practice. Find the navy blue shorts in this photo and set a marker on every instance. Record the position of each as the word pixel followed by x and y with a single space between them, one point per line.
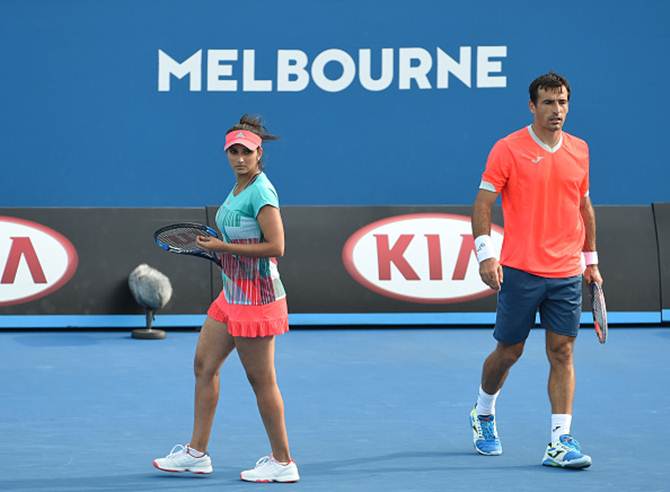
pixel 522 294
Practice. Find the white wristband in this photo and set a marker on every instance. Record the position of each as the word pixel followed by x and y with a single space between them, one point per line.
pixel 590 257
pixel 484 248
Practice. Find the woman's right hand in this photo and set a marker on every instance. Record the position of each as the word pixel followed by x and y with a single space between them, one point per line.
pixel 210 243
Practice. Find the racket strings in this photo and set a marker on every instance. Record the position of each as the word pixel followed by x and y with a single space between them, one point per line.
pixel 183 238
pixel 599 312
pixel 599 308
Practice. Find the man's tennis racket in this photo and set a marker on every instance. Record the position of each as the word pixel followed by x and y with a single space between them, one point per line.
pixel 180 239
pixel 599 311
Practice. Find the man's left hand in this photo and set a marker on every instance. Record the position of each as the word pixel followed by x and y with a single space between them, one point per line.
pixel 592 274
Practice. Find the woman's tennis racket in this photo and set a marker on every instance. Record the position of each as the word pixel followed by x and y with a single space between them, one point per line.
pixel 180 239
pixel 599 312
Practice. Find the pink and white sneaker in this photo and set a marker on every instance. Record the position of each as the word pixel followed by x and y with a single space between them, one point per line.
pixel 180 460
pixel 268 469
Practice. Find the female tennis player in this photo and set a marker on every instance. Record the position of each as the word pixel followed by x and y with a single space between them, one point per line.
pixel 248 313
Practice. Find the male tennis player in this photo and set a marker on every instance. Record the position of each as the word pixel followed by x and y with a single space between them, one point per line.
pixel 542 173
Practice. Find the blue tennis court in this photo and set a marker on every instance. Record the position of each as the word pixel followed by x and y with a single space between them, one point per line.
pixel 367 410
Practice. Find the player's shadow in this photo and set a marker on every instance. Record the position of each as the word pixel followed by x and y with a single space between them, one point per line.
pixel 409 461
pixel 53 340
pixel 663 334
pixel 109 483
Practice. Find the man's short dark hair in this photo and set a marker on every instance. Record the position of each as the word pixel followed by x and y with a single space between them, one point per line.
pixel 550 80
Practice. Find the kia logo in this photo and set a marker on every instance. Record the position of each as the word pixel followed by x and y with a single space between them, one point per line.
pixel 425 258
pixel 34 261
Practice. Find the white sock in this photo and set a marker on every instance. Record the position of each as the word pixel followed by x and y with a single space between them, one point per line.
pixel 194 452
pixel 560 424
pixel 486 404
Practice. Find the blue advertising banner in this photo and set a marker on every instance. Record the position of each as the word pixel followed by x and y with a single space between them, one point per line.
pixel 126 103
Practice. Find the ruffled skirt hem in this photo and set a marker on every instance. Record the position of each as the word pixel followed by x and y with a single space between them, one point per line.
pixel 258 328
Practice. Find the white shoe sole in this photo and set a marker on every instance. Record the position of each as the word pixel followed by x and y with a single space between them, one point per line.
pixel 283 480
pixel 494 453
pixel 197 471
pixel 575 464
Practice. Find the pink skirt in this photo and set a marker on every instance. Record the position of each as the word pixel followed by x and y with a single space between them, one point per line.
pixel 250 321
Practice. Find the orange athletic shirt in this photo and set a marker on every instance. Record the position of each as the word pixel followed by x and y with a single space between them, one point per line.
pixel 542 188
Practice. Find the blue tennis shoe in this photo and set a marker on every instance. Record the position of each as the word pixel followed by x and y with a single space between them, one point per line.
pixel 485 434
pixel 566 453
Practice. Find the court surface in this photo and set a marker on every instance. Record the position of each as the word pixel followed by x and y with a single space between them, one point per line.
pixel 367 410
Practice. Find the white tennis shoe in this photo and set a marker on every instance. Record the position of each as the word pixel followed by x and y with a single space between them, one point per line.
pixel 180 460
pixel 566 453
pixel 268 469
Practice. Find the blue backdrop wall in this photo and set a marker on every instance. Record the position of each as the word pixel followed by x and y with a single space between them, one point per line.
pixel 94 115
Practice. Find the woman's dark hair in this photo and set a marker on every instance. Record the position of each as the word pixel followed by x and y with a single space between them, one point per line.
pixel 255 125
pixel 549 80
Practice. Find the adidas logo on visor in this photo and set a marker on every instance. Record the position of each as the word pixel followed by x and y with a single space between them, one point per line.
pixel 239 135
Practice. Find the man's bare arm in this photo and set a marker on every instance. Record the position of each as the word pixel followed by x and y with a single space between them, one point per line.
pixel 592 273
pixel 481 212
pixel 489 269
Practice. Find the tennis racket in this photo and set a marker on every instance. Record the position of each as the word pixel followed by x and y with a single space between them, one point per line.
pixel 599 311
pixel 180 239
